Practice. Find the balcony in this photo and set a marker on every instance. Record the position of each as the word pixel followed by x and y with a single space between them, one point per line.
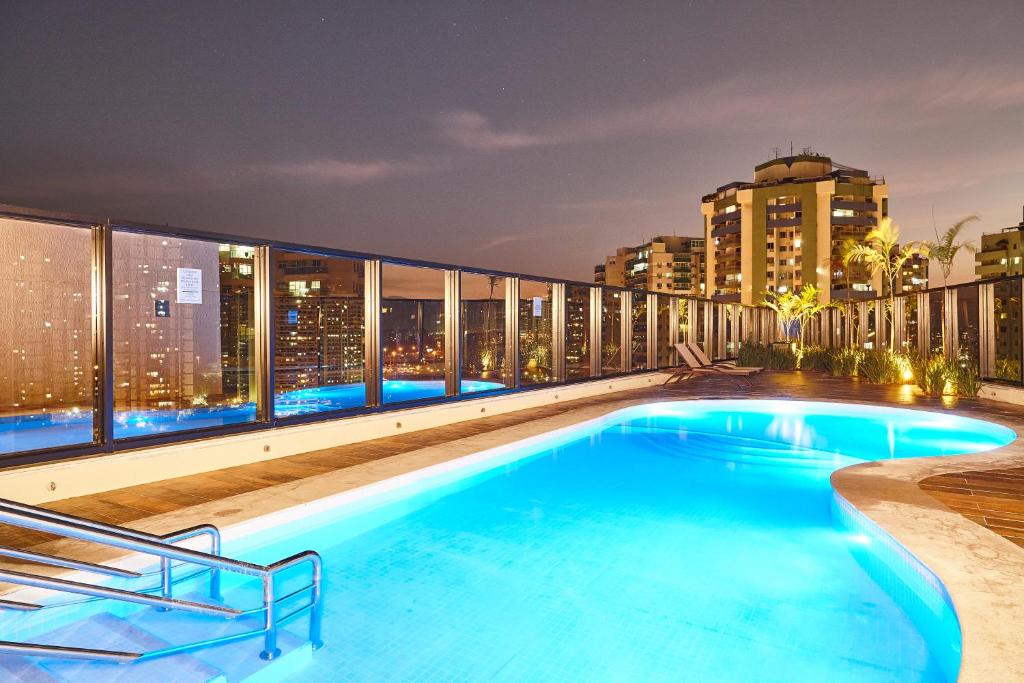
pixel 854 206
pixel 775 223
pixel 782 208
pixel 854 220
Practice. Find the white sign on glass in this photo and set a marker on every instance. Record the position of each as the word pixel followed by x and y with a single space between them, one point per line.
pixel 190 286
pixel 538 307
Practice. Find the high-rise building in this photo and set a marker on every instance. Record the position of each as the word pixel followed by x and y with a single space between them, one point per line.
pixel 1001 253
pixel 666 263
pixel 319 321
pixel 913 277
pixel 788 227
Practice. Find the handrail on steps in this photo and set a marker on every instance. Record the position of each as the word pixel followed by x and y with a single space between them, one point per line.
pixel 71 526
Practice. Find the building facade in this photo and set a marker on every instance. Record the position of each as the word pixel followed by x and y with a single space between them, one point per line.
pixel 1001 253
pixel 788 228
pixel 667 263
pixel 913 277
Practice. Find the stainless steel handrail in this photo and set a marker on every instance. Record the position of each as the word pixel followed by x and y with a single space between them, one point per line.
pixel 55 561
pixel 64 585
pixel 173 537
pixel 47 521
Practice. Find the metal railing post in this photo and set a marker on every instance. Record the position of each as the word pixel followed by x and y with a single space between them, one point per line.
pixel 103 334
pixel 263 313
pixel 373 369
pixel 558 331
pixel 511 379
pixel 596 352
pixel 626 331
pixel 452 332
pixel 986 330
pixel 270 649
pixel 652 332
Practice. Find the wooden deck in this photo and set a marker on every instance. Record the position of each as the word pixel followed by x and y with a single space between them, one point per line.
pixel 992 498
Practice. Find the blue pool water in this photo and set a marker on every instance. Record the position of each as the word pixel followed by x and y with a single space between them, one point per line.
pixel 685 541
pixel 50 430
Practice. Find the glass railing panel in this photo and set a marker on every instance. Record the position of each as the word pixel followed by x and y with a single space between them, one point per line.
pixel 967 324
pixel 483 332
pixel 577 331
pixel 700 312
pixel 611 331
pixel 535 328
pixel 911 337
pixel 935 320
pixel 875 307
pixel 46 363
pixel 1006 305
pixel 183 331
pixel 412 333
pixel 319 333
pixel 687 308
pixel 638 332
pixel 664 327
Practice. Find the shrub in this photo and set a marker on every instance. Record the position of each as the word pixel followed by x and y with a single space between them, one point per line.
pixel 813 358
pixel 881 366
pixel 844 362
pixel 770 357
pixel 964 377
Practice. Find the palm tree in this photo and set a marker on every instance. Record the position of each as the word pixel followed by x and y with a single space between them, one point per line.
pixel 794 308
pixel 808 307
pixel 881 253
pixel 945 247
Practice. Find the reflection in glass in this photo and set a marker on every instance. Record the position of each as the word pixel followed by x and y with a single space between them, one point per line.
pixel 46 378
pixel 664 325
pixel 183 334
pixel 535 332
pixel 910 342
pixel 577 331
pixel 611 331
pixel 318 333
pixel 1008 333
pixel 412 333
pixel 483 332
pixel 935 306
pixel 872 334
pixel 967 324
pixel 638 337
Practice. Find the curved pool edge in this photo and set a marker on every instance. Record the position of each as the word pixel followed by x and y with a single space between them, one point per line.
pixel 981 571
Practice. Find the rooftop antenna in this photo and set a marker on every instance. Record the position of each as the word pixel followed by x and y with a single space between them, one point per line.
pixel 777 152
pixel 790 148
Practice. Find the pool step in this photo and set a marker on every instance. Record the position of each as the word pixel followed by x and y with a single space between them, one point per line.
pixel 147 630
pixel 108 632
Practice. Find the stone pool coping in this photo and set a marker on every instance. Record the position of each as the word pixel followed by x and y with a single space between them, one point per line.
pixel 981 570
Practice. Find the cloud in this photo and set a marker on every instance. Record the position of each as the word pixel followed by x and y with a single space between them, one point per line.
pixel 346 172
pixel 473 131
pixel 909 99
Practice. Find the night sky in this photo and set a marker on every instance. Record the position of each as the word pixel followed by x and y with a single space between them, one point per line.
pixel 527 137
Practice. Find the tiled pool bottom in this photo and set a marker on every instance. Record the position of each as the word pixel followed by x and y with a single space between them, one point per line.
pixel 638 553
pixel 682 541
pixel 51 430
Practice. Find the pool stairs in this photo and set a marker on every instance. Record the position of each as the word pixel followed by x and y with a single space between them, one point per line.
pixel 166 621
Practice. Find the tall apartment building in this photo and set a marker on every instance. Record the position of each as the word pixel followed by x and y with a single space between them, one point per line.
pixel 319 321
pixel 787 229
pixel 913 277
pixel 666 263
pixel 1001 253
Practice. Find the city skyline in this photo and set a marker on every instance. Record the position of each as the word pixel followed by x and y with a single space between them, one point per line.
pixel 475 135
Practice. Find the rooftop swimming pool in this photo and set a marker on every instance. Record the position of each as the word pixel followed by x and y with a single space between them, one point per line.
pixel 50 430
pixel 693 540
